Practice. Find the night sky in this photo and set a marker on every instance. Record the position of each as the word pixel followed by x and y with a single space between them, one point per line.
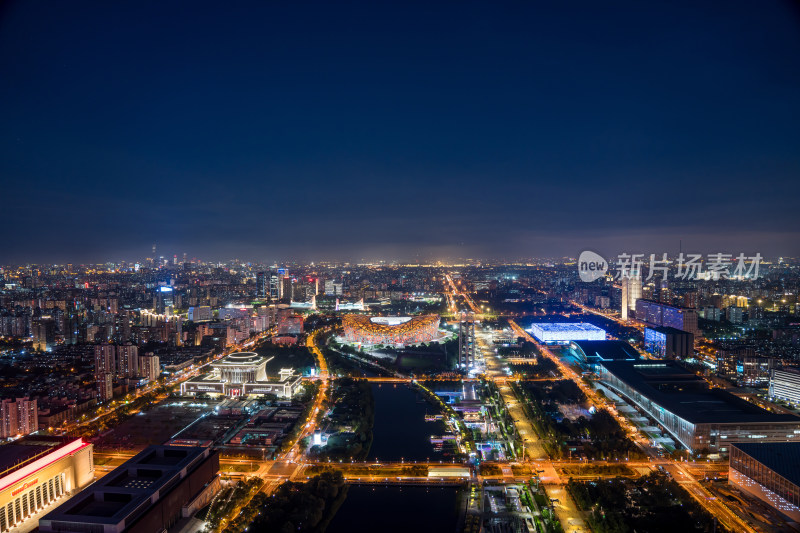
pixel 409 130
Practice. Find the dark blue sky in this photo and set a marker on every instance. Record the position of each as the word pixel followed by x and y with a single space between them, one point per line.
pixel 304 130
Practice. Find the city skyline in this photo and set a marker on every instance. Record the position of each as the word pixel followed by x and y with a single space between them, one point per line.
pixel 398 132
pixel 328 267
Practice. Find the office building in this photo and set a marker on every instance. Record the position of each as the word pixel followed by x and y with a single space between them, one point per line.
pixel 286 289
pixel 274 285
pixel 699 418
pixel 784 384
pixel 262 285
pixel 148 493
pixel 668 343
pixel 660 314
pixel 631 292
pixel 769 472
pixel 164 299
pixel 37 473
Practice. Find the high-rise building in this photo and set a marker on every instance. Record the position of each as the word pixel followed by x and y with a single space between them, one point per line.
pixel 466 341
pixel 286 289
pixel 756 371
pixel 262 285
pixel 105 358
pixel 274 285
pixel 105 386
pixel 18 417
pixel 631 292
pixel 149 366
pixel 128 360
pixel 44 333
pixel 9 419
pixel 734 314
pixel 164 299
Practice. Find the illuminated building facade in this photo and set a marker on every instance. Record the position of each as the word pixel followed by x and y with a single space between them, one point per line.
pixel 668 343
pixel 701 419
pixel 768 471
pixel 390 330
pixel 567 332
pixel 660 314
pixel 18 417
pixel 784 384
pixel 241 374
pixel 38 472
pixel 631 292
pixel 150 492
pixel 466 341
pixel 262 285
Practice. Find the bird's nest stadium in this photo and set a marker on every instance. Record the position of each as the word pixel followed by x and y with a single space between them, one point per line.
pixel 393 330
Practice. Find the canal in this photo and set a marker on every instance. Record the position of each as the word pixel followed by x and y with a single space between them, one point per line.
pixel 400 431
pixel 395 509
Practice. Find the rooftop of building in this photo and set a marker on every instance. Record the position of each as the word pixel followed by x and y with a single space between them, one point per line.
pixel 780 457
pixel 25 451
pixel 242 359
pixel 116 495
pixel 668 330
pixel 609 350
pixel 566 326
pixel 682 392
pixel 663 304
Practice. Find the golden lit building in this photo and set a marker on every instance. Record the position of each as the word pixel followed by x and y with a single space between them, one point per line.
pixel 37 473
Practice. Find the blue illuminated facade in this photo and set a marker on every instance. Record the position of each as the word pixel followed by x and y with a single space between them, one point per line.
pixel 563 333
pixel 655 342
